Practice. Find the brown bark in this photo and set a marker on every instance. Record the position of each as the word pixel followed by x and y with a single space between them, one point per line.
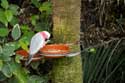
pixel 66 20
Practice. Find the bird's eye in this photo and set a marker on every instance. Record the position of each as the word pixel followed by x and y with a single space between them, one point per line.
pixel 46 39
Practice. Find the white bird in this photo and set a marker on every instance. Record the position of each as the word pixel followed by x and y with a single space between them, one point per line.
pixel 37 42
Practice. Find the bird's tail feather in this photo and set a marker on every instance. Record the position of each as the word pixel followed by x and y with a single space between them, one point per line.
pixel 28 60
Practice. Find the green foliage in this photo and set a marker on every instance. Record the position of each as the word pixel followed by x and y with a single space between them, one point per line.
pixel 1 64
pixel 2 77
pixel 6 70
pixel 9 15
pixel 7 51
pixel 17 26
pixel 19 72
pixel 104 65
pixel 24 44
pixel 36 3
pixel 16 33
pixel 4 4
pixel 4 32
pixel 8 66
pixel 14 9
pixel 3 18
pixel 33 19
pixel 46 7
pixel 37 79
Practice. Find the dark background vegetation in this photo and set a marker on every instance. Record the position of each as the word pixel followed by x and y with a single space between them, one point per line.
pixel 103 27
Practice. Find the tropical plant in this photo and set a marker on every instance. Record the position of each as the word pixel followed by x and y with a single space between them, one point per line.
pixel 106 64
pixel 18 23
pixel 103 21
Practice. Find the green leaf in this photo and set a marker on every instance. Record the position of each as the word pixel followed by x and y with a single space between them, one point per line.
pixel 14 9
pixel 37 79
pixel 36 3
pixel 8 49
pixel 1 64
pixel 2 77
pixel 16 32
pixel 28 35
pixel 3 17
pixel 25 28
pixel 14 21
pixel 5 57
pixel 6 70
pixel 25 39
pixel 16 44
pixel 4 32
pixel 33 19
pixel 4 4
pixel 23 45
pixel 46 6
pixel 18 58
pixel 1 49
pixel 9 15
pixel 18 72
pixel 92 50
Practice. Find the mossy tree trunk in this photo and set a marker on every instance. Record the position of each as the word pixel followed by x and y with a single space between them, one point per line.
pixel 66 20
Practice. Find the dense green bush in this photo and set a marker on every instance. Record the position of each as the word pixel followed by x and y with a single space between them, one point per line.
pixel 18 23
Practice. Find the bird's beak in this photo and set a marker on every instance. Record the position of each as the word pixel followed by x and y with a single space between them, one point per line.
pixel 47 41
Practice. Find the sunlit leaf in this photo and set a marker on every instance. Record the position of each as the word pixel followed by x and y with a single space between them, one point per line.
pixel 9 15
pixel 4 4
pixel 23 45
pixel 25 28
pixel 16 32
pixel 92 50
pixel 4 32
pixel 18 58
pixel 3 17
pixel 33 19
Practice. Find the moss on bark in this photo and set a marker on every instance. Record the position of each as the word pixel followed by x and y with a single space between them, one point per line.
pixel 66 19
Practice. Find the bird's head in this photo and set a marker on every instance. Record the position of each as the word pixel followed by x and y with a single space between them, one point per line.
pixel 45 34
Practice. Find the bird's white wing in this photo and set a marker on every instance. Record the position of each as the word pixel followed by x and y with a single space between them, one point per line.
pixel 36 43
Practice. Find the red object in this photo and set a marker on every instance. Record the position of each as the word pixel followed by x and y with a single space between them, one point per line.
pixel 25 54
pixel 48 51
pixel 55 50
